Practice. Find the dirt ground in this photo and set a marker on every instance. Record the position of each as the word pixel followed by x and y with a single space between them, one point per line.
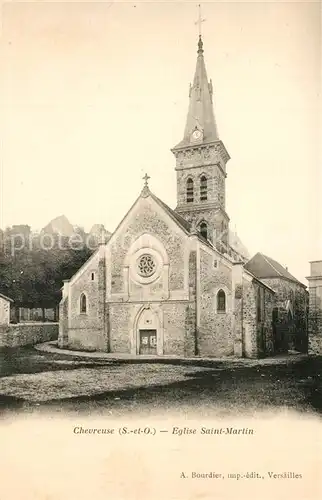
pixel 37 382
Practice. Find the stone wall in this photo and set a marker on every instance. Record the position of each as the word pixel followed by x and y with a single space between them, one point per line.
pixel 269 332
pixel 250 348
pixel 191 342
pixel 4 311
pixel 22 334
pixel 151 222
pixel 121 320
pixel 292 304
pixel 206 161
pixel 215 333
pixel 85 330
pixel 315 345
pixel 63 322
pixel 258 303
pixel 315 307
pixel 171 319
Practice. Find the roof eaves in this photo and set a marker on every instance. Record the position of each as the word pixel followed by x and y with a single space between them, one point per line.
pixel 6 298
pixel 259 281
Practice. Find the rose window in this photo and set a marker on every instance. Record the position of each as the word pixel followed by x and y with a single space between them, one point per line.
pixel 146 265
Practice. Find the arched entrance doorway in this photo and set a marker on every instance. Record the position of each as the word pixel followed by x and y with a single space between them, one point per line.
pixel 148 333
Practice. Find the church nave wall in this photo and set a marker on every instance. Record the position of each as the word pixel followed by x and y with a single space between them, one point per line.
pixel 215 330
pixel 87 339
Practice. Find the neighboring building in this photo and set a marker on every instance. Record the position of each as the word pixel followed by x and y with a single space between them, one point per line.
pixel 315 307
pixel 22 229
pixel 5 309
pixel 291 305
pixel 27 314
pixel 2 240
pixel 60 225
pixel 174 282
pixel 17 236
pixel 98 234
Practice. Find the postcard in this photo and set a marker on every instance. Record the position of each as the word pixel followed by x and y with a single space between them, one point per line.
pixel 160 250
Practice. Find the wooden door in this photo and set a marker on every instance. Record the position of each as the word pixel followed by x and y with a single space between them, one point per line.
pixel 148 342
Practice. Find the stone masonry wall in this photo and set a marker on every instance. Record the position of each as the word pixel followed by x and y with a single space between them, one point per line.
pixel 191 344
pixel 215 184
pixel 63 323
pixel 294 330
pixel 269 341
pixel 123 332
pixel 87 330
pixel 249 320
pixel 121 321
pixel 150 222
pixel 215 334
pixel 22 334
pixel 315 345
pixel 257 327
pixel 4 311
pixel 315 308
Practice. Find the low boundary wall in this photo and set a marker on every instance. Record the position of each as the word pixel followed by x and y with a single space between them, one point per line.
pixel 21 334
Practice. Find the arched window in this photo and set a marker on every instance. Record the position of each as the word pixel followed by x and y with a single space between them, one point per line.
pixel 221 301
pixel 204 229
pixel 83 303
pixel 189 190
pixel 203 188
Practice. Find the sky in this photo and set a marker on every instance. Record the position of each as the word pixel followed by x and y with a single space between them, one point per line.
pixel 93 95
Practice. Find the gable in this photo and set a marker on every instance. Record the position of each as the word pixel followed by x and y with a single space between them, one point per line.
pixel 263 267
pixel 149 214
pixel 148 225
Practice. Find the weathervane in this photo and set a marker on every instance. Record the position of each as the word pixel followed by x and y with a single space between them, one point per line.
pixel 200 20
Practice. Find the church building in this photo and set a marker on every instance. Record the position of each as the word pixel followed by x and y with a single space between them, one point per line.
pixel 170 282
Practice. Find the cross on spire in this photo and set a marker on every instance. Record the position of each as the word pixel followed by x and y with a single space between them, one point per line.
pixel 200 20
pixel 146 180
pixel 145 190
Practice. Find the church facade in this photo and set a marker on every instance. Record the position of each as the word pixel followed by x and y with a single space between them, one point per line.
pixel 169 282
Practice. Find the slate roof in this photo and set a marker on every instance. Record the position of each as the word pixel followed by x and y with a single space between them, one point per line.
pixel 201 112
pixel 265 267
pixel 178 218
pixel 183 223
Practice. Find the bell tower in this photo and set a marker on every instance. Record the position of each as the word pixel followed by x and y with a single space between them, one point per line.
pixel 201 160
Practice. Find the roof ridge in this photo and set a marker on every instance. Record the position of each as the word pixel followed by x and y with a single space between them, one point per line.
pixel 186 226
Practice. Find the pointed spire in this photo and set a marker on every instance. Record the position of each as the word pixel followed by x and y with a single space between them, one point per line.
pixel 200 113
pixel 200 45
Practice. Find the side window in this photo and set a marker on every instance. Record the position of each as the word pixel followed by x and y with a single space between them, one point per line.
pixel 83 303
pixel 221 301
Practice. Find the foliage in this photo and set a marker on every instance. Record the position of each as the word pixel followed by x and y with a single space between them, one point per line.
pixel 33 277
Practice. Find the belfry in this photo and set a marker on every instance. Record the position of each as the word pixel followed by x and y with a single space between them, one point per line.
pixel 201 159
